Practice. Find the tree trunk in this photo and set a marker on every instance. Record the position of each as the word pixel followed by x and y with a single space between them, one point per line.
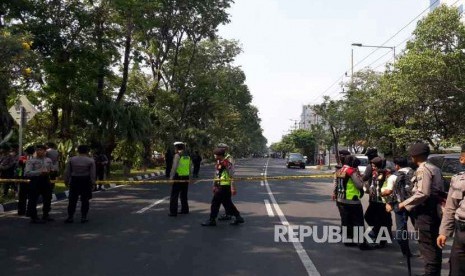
pixel 127 53
pixel 6 122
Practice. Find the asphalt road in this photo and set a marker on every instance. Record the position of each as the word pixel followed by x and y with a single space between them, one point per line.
pixel 129 233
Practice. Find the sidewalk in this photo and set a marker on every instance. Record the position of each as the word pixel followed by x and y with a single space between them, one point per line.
pixel 11 206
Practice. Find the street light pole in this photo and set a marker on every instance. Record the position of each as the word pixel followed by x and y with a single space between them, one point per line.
pixel 393 48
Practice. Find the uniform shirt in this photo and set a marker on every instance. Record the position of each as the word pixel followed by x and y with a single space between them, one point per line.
pixel 35 166
pixel 80 166
pixel 174 168
pixel 427 181
pixel 53 155
pixel 455 205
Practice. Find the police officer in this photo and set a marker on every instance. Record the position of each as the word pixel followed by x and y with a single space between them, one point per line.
pixel 80 178
pixel 38 170
pixel 425 203
pixel 232 171
pixel 181 172
pixel 453 220
pixel 347 193
pixel 8 168
pixel 222 190
pixel 54 155
pixel 23 186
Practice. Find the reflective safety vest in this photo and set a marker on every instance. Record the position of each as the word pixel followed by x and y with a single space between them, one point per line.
pixel 223 173
pixel 345 186
pixel 184 166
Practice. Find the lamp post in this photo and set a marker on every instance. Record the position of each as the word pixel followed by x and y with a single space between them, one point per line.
pixel 393 48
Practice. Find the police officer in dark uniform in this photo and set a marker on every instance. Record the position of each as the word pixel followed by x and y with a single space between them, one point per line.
pixel 80 177
pixel 428 192
pixel 38 171
pixel 453 220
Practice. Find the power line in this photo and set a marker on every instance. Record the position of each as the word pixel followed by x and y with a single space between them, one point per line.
pixel 383 44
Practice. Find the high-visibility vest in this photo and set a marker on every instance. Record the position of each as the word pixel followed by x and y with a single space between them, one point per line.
pixel 346 188
pixel 184 166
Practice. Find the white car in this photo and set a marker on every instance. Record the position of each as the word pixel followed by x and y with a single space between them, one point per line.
pixel 363 163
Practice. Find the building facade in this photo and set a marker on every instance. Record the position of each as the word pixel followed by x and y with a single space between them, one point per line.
pixel 309 117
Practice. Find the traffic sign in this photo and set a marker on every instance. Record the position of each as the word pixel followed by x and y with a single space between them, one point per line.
pixel 29 111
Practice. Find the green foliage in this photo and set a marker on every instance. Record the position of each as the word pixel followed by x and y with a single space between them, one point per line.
pixel 128 76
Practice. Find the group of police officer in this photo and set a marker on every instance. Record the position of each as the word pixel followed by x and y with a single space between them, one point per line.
pixel 433 216
pixel 223 187
pixel 39 165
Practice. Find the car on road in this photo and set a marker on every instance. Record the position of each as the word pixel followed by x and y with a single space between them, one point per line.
pixel 363 163
pixel 295 160
pixel 449 165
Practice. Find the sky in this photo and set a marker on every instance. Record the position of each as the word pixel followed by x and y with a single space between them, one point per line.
pixel 295 50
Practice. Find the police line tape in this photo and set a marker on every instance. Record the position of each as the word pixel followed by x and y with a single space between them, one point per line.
pixel 157 181
pixel 169 181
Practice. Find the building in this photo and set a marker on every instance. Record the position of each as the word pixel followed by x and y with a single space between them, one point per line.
pixel 309 117
pixel 460 4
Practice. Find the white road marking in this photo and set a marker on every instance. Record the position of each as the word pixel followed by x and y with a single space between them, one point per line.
pixel 261 183
pixel 269 210
pixel 143 210
pixel 306 261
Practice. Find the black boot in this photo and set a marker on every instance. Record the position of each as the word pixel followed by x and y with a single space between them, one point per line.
pixel 237 220
pixel 209 222
pixel 224 217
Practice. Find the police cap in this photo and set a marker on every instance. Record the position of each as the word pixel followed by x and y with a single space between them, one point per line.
pixel 419 149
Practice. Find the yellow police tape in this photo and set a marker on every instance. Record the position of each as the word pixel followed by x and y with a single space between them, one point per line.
pixel 161 181
pixel 168 181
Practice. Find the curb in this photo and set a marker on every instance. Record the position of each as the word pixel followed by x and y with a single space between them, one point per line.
pixel 11 206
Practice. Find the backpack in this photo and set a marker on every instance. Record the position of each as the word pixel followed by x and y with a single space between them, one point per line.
pixel 403 186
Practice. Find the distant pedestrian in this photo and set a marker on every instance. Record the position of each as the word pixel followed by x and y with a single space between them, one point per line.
pixel 181 173
pixel 223 189
pixel 196 160
pixel 80 174
pixel 54 155
pixel 101 162
pixel 38 170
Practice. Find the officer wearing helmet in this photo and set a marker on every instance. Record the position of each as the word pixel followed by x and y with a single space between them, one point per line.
pixel 181 173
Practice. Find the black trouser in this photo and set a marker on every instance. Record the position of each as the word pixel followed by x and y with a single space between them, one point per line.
pixel 377 217
pixel 196 169
pixel 222 195
pixel 428 234
pixel 179 190
pixel 457 255
pixel 100 173
pixel 22 198
pixel 351 216
pixel 39 185
pixel 80 186
pixel 402 231
pixel 53 176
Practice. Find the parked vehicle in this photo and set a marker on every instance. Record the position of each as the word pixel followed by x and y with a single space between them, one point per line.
pixel 363 163
pixel 295 160
pixel 449 165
